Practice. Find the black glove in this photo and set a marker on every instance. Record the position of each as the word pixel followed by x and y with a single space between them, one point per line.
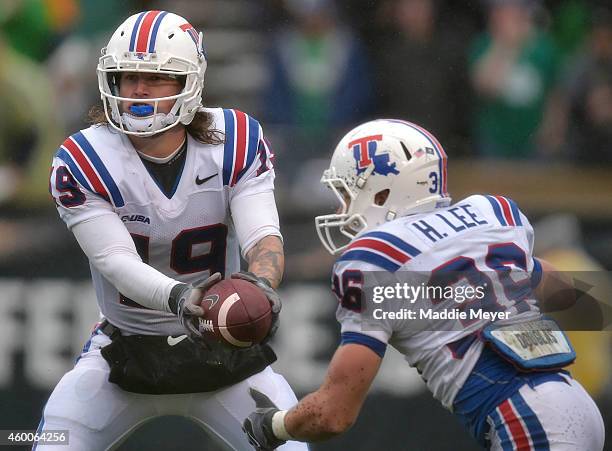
pixel 258 425
pixel 271 294
pixel 185 301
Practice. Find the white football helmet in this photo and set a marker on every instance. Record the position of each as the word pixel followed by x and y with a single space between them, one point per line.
pixel 380 155
pixel 153 42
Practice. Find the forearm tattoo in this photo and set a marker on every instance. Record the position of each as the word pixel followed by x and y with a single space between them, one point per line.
pixel 267 259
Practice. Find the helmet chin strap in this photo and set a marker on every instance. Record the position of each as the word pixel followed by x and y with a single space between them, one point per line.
pixel 140 120
pixel 147 124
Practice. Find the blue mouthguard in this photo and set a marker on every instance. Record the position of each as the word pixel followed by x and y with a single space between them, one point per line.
pixel 141 110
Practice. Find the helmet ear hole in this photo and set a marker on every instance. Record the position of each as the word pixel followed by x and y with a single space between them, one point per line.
pixel 113 79
pixel 380 198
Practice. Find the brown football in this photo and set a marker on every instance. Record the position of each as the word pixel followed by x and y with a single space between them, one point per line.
pixel 237 313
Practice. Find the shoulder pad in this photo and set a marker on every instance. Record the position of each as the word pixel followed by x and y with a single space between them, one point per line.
pixel 87 167
pixel 505 209
pixel 382 249
pixel 242 134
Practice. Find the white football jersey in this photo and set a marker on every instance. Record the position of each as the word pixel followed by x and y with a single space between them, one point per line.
pixel 186 236
pixel 482 236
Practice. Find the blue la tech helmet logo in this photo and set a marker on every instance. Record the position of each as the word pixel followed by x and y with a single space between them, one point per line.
pixel 364 152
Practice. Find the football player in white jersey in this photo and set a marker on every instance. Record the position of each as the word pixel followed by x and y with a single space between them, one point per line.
pixel 162 195
pixel 499 369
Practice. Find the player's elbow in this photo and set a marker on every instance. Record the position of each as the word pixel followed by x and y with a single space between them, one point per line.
pixel 557 301
pixel 555 291
pixel 114 263
pixel 120 268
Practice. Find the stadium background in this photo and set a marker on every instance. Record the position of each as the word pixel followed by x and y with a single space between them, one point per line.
pixel 350 61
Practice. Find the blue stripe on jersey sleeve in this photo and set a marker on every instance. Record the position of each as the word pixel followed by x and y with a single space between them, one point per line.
pixel 536 273
pixel 228 147
pixel 356 338
pixel 397 242
pixel 99 165
pixel 515 212
pixel 74 169
pixel 253 144
pixel 497 210
pixel 370 257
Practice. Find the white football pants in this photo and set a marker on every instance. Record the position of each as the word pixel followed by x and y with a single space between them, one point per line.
pixel 555 416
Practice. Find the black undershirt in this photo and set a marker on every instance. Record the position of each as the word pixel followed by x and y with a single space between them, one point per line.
pixel 167 174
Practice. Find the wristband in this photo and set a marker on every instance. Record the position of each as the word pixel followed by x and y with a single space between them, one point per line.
pixel 175 294
pixel 278 426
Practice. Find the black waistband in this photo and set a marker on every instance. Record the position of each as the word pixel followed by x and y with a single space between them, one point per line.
pixel 109 329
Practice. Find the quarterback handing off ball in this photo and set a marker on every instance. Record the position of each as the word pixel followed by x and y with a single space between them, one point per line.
pixel 236 313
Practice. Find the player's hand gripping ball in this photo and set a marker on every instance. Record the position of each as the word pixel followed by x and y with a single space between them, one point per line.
pixel 236 313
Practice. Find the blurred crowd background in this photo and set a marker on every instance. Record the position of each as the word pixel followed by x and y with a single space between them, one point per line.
pixel 519 92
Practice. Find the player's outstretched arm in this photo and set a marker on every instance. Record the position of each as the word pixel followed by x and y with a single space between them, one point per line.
pixel 110 248
pixel 334 407
pixel 267 259
pixel 325 413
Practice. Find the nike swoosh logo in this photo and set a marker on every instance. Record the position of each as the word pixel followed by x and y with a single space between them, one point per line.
pixel 213 298
pixel 200 181
pixel 173 341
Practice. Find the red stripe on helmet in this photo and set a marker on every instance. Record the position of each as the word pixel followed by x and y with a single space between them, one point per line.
pixel 145 31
